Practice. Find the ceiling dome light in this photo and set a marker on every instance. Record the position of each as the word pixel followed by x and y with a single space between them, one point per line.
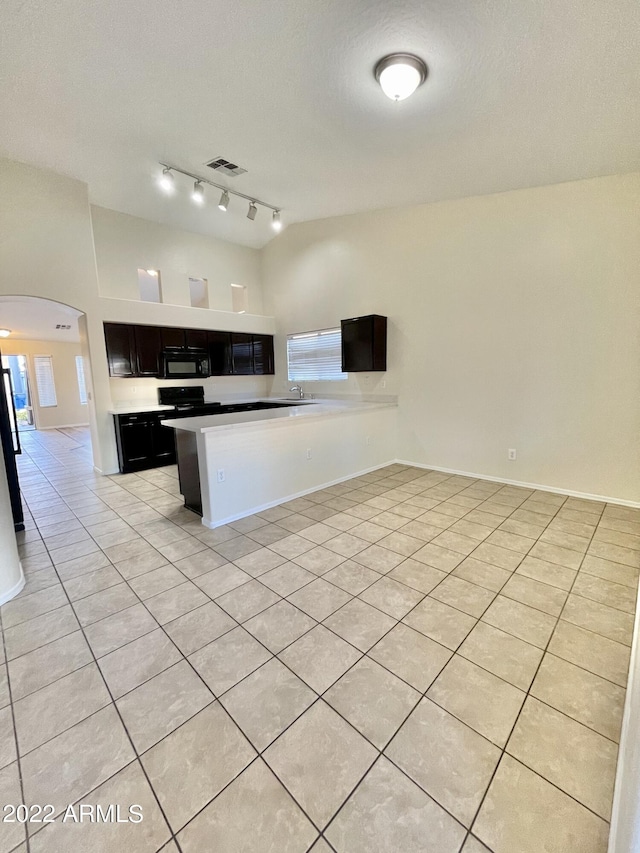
pixel 167 181
pixel 400 74
pixel 153 273
pixel 251 213
pixel 223 204
pixel 198 193
pixel 4 333
pixel 276 222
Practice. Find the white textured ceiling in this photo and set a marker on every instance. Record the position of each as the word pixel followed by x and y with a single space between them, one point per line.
pixel 33 319
pixel 519 94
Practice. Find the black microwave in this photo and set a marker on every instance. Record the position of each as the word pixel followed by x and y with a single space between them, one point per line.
pixel 185 364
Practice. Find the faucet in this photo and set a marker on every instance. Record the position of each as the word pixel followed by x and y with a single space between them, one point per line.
pixel 298 388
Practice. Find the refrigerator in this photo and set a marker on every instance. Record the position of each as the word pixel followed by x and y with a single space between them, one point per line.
pixel 10 439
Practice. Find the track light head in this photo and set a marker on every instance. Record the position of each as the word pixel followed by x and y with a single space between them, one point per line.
pixel 167 181
pixel 251 213
pixel 276 221
pixel 198 193
pixel 223 204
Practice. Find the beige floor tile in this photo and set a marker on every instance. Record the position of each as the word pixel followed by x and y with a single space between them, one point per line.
pixel 586 697
pixel 392 520
pixel 177 551
pixel 292 546
pixel 439 558
pixel 599 618
pixel 541 596
pixel 92 582
pixel 102 604
pixel 373 700
pixel 401 543
pixel 352 577
pixel 200 563
pixel 258 562
pixel 389 812
pixel 120 628
pixel 128 786
pixel 82 565
pixel 319 759
pixel 524 812
pixel 511 540
pixel 279 625
pixel 442 623
pixel 413 657
pixel 140 564
pixel 615 553
pixel 249 523
pixel 137 662
pixel 55 708
pixel 199 627
pixel 522 621
pixel 346 545
pixel 610 571
pixel 66 768
pixel 176 602
pixel 478 698
pixel 450 761
pixel 267 701
pixel 360 624
pixel 237 547
pixel 591 651
pixel 455 541
pixel 318 560
pixel 495 555
pixel 217 536
pixel 254 814
pixel 12 833
pixel 565 539
pixel 31 606
pixel 482 574
pixel 4 686
pixel 287 578
pixel 370 531
pixel 319 599
pixel 136 548
pixel 156 581
pixel 472 845
pixel 578 760
pixel 421 530
pixel 617 537
pixel 47 664
pixel 225 661
pixel 417 575
pixel 247 600
pixel 549 573
pixel 393 598
pixel 504 655
pixel 566 557
pixel 8 752
pixel 379 559
pixel 319 658
pixel 180 767
pixel 612 594
pixel 71 552
pixel 465 596
pixel 38 632
pixel 222 580
pixel 163 703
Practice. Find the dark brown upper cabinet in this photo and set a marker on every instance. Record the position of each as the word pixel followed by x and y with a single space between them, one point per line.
pixel 195 338
pixel 364 344
pixel 219 344
pixel 241 353
pixel 173 338
pixel 263 360
pixel 120 342
pixel 148 341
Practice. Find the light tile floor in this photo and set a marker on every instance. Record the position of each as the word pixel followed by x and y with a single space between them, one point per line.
pixel 408 661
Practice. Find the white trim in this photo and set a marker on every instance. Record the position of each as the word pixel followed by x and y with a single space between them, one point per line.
pixel 624 835
pixel 15 589
pixel 554 489
pixel 105 473
pixel 212 525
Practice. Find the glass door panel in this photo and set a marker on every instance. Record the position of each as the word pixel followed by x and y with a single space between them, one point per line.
pixel 18 371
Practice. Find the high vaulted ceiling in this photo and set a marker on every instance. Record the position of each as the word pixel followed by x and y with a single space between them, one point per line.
pixel 519 94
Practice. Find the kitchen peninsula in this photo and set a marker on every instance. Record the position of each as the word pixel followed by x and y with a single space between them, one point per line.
pixel 232 465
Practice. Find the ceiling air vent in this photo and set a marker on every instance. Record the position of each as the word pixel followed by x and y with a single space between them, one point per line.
pixel 225 167
pixel 62 326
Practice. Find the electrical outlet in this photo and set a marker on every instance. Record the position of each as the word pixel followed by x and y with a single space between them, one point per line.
pixel 384 383
pixel 221 475
pixel 368 440
pixel 308 453
pixel 367 380
pixel 134 390
pixel 512 454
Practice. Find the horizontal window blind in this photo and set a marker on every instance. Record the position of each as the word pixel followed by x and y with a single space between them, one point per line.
pixel 315 355
pixel 44 380
pixel 82 388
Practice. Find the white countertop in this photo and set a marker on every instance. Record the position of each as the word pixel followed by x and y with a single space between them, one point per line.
pixel 288 414
pixel 136 408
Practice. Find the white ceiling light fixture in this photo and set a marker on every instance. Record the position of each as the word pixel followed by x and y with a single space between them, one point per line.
pixel 167 181
pixel 400 74
pixel 276 221
pixel 251 213
pixel 198 193
pixel 153 273
pixel 4 333
pixel 223 204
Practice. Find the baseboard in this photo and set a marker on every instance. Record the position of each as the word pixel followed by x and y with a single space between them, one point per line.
pixel 212 525
pixel 15 589
pixel 554 489
pixel 105 473
pixel 61 426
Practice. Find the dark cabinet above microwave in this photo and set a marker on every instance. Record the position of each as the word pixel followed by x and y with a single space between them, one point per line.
pixel 135 350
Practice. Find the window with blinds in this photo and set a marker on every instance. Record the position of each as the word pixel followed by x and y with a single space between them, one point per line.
pixel 315 356
pixel 44 381
pixel 82 388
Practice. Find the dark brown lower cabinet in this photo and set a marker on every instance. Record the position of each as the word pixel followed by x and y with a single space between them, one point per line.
pixel 143 442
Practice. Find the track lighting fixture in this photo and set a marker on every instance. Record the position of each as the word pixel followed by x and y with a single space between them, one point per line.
pixel 168 183
pixel 167 180
pixel 198 193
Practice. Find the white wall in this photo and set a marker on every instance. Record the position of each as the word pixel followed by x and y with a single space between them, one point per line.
pixel 69 411
pixel 125 243
pixel 513 323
